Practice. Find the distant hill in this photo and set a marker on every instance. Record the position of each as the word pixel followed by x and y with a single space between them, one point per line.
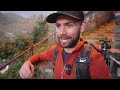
pixel 8 18
pixel 12 26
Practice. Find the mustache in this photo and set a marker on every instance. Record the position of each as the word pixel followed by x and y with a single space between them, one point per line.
pixel 64 37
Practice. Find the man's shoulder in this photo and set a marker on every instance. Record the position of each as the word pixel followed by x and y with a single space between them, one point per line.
pixel 51 49
pixel 95 54
pixel 54 47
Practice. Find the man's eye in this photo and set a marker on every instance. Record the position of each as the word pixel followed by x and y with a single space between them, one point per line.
pixel 57 26
pixel 69 25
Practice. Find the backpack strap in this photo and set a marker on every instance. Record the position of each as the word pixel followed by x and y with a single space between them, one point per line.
pixel 82 63
pixel 55 56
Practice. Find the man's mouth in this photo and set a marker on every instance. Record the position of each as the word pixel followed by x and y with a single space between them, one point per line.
pixel 64 40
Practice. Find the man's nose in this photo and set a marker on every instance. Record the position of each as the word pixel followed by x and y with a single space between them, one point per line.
pixel 63 30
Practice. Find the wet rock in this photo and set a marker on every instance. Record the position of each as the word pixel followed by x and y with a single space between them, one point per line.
pixel 117 30
pixel 114 67
pixel 46 70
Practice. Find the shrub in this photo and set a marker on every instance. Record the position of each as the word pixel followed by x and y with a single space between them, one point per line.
pixel 40 31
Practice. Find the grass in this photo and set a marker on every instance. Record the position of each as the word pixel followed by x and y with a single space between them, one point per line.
pixel 118 46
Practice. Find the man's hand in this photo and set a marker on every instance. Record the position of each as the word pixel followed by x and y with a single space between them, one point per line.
pixel 27 70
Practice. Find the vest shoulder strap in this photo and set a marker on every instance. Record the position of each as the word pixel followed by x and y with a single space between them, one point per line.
pixel 82 63
pixel 55 56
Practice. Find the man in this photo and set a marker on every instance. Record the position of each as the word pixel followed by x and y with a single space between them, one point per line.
pixel 70 46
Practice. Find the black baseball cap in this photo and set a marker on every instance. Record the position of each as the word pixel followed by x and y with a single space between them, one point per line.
pixel 75 14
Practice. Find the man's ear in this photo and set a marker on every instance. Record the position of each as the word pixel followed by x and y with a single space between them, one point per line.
pixel 83 26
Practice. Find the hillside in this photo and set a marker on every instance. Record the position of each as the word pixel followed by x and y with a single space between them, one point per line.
pixel 9 18
pixel 12 26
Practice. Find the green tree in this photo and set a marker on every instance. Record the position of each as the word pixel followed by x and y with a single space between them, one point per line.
pixel 22 43
pixel 40 31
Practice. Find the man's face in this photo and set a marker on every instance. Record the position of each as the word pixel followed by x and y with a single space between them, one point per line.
pixel 68 31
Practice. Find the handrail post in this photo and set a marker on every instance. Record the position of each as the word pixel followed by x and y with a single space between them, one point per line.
pixel 31 50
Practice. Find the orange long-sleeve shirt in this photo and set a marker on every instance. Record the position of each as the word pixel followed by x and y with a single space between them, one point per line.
pixel 98 67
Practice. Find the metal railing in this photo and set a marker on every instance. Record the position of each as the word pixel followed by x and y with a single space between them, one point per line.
pixel 113 59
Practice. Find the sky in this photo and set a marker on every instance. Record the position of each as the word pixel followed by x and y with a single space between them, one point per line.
pixel 28 14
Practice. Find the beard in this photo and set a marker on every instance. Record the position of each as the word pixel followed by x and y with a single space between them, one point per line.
pixel 69 41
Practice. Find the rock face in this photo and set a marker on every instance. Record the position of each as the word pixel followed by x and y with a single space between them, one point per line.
pixel 2 63
pixel 114 67
pixel 117 31
pixel 46 70
pixel 94 18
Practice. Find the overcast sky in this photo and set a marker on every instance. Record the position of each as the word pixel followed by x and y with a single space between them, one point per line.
pixel 28 14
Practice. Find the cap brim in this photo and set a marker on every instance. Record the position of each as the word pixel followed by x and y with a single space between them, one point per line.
pixel 52 17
